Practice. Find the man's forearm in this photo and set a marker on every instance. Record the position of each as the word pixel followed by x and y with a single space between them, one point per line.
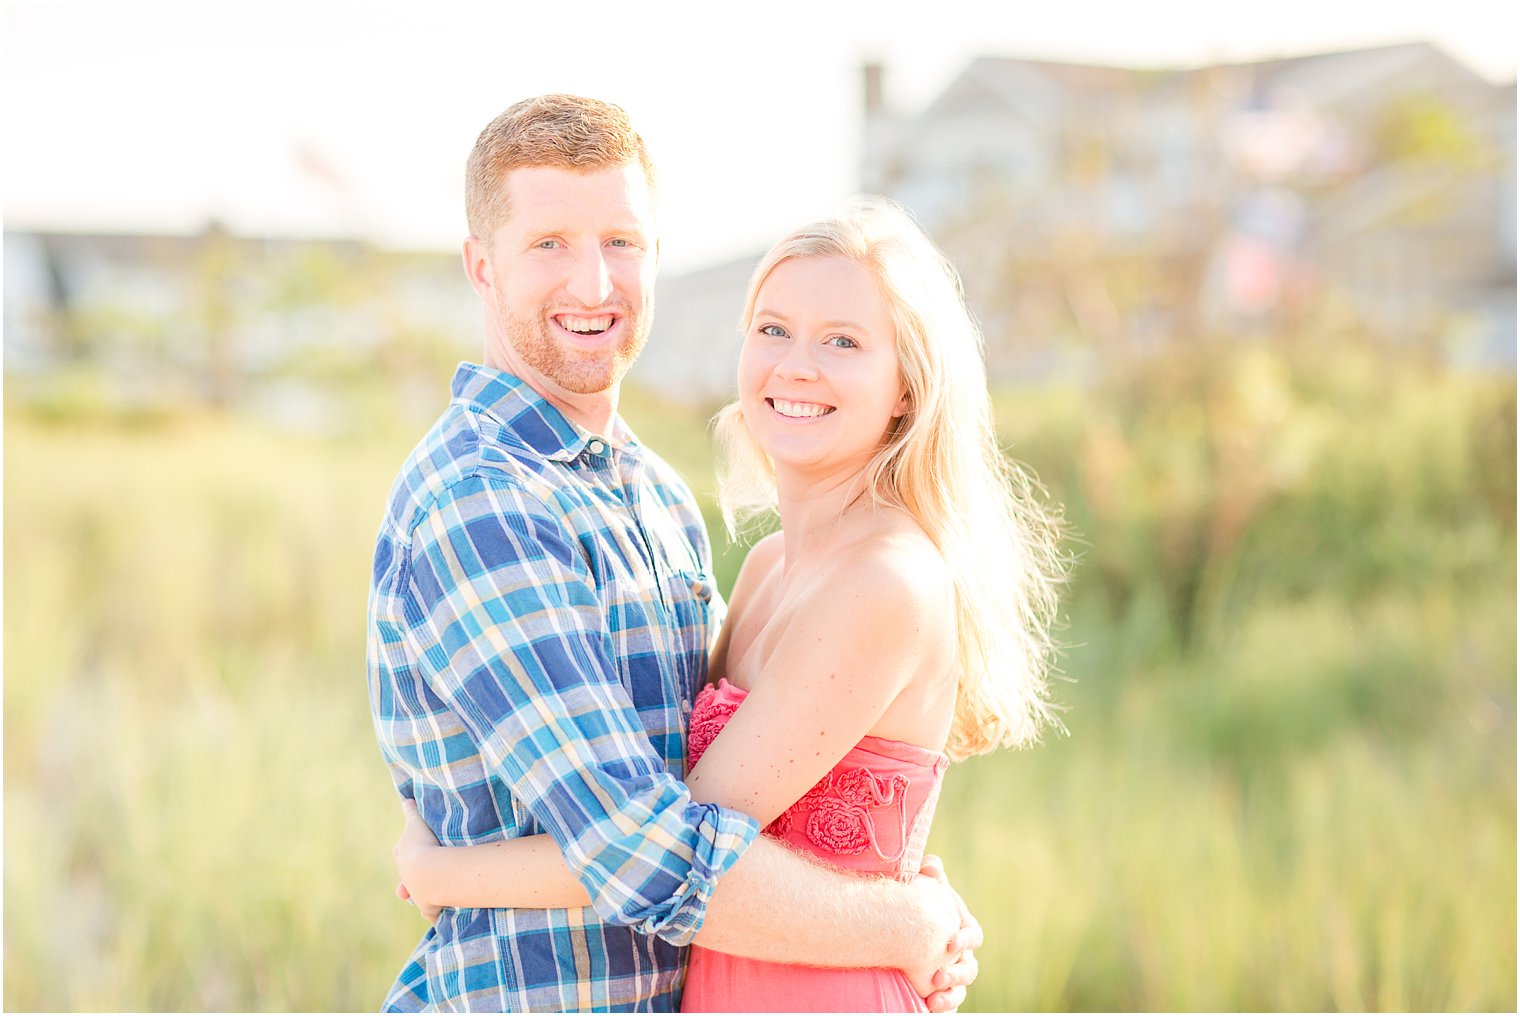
pixel 777 905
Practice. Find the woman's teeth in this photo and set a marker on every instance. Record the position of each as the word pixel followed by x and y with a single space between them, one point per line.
pixel 799 409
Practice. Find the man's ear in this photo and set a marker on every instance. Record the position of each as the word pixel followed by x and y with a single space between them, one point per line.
pixel 477 267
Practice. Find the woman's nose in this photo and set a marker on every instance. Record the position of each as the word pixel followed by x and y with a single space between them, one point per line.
pixel 796 362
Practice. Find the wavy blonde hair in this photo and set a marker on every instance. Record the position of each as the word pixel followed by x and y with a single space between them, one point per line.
pixel 942 464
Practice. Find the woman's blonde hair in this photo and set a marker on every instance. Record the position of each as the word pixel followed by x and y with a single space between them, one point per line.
pixel 942 464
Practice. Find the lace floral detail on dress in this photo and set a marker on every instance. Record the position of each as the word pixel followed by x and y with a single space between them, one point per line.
pixel 838 812
pixel 707 718
pixel 812 799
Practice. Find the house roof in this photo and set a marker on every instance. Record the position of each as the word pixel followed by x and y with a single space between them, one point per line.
pixel 1025 87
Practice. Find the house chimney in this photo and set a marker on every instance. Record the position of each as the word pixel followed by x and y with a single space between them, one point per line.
pixel 873 75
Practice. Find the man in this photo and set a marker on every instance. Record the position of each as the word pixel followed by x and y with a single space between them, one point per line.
pixel 540 613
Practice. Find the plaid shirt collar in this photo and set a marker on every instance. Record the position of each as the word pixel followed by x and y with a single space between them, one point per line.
pixel 534 419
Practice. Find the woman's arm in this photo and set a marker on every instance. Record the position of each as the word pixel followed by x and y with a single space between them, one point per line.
pixel 874 626
pixel 524 872
pixel 836 670
pixel 882 618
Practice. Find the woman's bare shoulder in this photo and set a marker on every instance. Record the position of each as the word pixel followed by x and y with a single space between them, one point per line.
pixel 893 570
pixel 766 551
pixel 894 550
pixel 760 562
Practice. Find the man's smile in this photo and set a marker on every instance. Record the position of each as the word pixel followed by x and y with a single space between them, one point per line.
pixel 582 324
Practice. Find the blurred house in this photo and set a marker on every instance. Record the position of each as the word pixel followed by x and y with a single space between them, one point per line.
pixel 220 317
pixel 1094 212
pixel 1102 211
pixel 693 349
pixel 214 317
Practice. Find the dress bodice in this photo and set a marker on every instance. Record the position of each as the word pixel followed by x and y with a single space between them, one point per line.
pixel 870 813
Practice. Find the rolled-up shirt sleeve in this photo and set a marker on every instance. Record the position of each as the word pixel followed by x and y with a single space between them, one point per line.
pixel 513 636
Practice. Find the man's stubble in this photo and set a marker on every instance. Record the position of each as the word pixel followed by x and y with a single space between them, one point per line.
pixel 574 371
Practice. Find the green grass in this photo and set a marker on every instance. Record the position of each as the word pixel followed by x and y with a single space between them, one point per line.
pixel 1255 831
pixel 196 813
pixel 1289 781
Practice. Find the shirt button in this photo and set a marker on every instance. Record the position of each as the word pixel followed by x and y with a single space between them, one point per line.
pixel 596 447
pixel 699 589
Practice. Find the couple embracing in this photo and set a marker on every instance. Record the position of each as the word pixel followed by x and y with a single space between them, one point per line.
pixel 618 799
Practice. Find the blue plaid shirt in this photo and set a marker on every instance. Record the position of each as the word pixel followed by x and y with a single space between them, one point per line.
pixel 538 629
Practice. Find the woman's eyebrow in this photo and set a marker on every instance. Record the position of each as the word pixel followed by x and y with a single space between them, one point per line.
pixel 838 323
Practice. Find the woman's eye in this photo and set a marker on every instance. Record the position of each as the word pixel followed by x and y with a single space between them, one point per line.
pixel 775 331
pixel 842 341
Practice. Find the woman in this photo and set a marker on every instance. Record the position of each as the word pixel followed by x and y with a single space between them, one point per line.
pixel 899 618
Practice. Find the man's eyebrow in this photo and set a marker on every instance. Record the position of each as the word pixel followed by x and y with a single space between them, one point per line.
pixel 548 226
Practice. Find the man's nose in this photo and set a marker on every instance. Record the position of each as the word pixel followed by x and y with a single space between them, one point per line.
pixel 590 282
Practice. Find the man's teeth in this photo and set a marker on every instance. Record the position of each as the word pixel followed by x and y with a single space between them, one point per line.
pixel 786 408
pixel 586 325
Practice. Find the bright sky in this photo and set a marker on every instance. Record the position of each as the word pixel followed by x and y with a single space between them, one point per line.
pixel 323 116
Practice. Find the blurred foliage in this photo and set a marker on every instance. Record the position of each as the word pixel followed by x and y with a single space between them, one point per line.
pixel 1289 782
pixel 1423 129
pixel 307 335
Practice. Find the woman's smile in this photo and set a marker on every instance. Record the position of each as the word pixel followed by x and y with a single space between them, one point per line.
pixel 798 410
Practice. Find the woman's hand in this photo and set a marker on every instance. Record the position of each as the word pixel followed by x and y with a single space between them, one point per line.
pixel 411 853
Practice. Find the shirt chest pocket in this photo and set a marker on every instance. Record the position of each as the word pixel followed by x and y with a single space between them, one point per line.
pixel 646 615
pixel 688 590
pixel 660 611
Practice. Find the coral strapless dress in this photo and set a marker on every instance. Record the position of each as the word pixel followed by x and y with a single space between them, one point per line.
pixel 870 814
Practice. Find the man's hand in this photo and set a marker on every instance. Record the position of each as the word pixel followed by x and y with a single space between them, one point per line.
pixel 410 850
pixel 944 984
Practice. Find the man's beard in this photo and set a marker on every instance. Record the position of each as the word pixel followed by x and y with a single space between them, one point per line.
pixel 582 373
